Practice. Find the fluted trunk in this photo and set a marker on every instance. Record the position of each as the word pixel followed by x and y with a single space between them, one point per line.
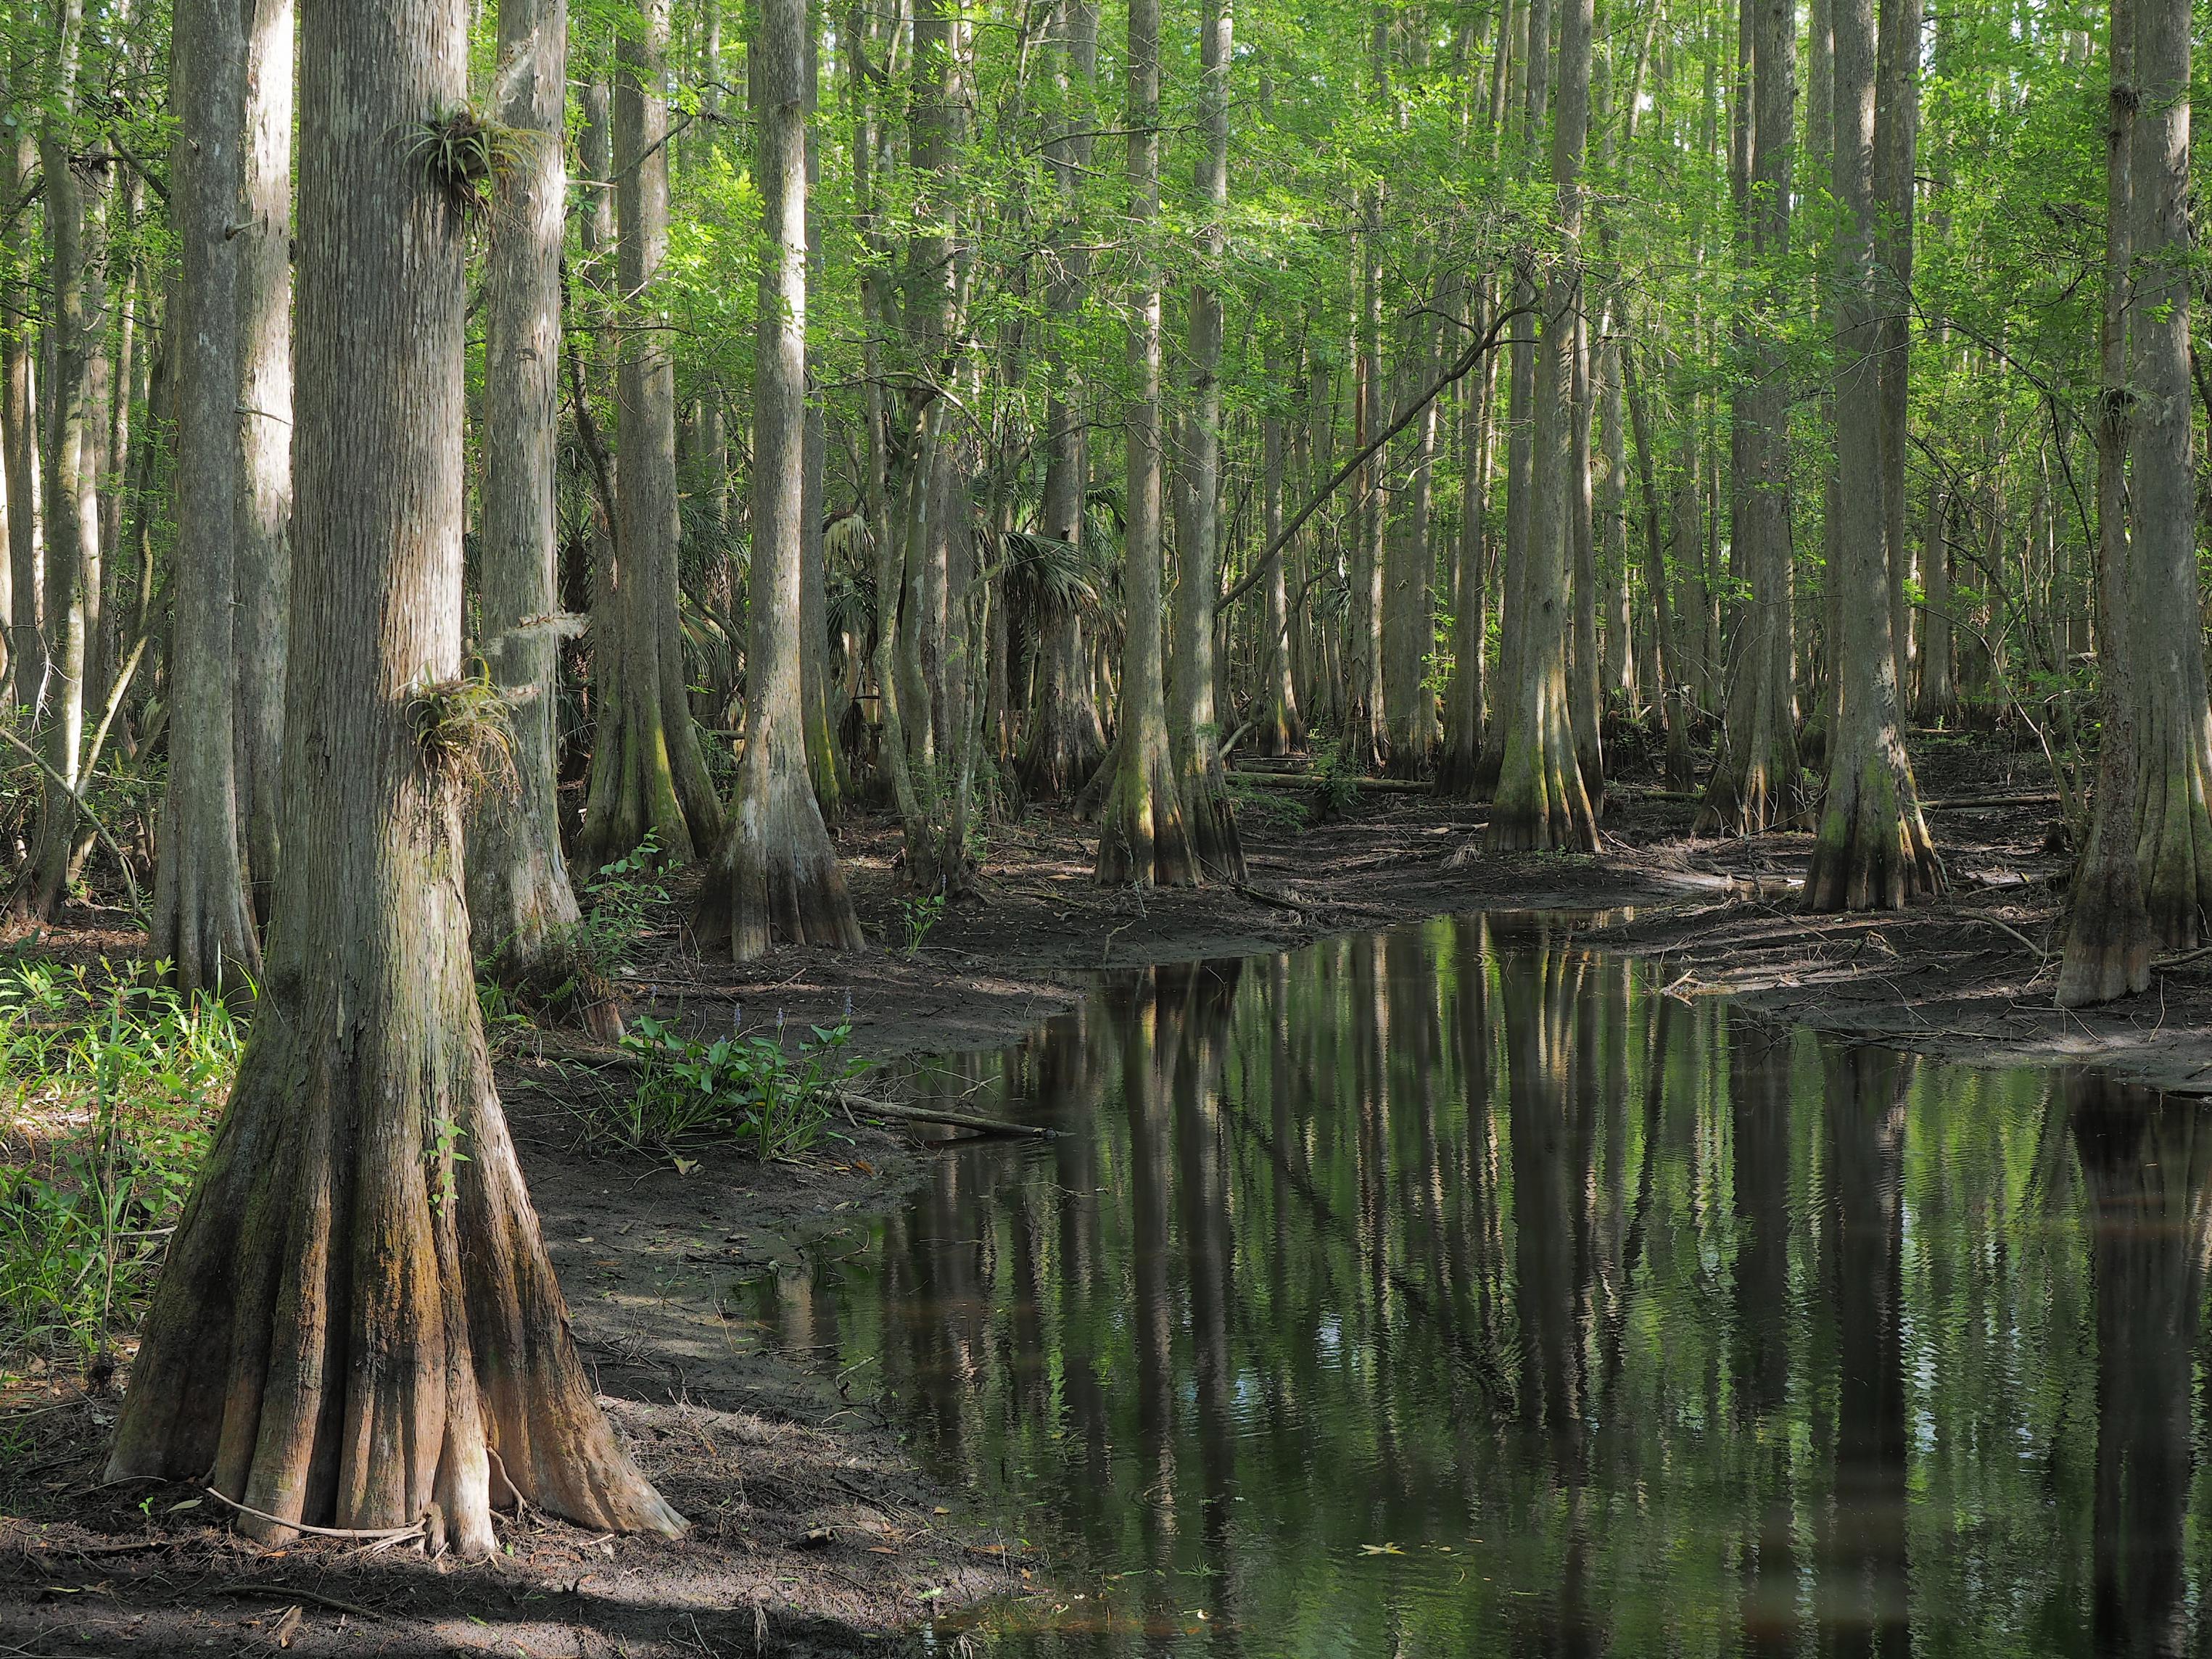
pixel 358 1325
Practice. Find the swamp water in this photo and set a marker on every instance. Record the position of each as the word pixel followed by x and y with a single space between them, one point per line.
pixel 1453 1291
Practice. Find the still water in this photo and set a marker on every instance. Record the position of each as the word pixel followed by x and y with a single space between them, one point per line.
pixel 1453 1291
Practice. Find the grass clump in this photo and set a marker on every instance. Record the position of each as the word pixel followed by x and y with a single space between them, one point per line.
pixel 750 1092
pixel 111 1087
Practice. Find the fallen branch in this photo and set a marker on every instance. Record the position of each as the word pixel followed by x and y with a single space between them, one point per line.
pixel 885 1108
pixel 78 800
pixel 2041 954
pixel 373 1535
pixel 1308 780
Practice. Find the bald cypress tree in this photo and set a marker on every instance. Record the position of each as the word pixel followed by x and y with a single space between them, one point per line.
pixel 358 1325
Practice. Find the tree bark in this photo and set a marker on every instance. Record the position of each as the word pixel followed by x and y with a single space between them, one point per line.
pixel 522 910
pixel 203 922
pixel 358 1325
pixel 774 877
pixel 648 777
pixel 1142 839
pixel 1873 851
pixel 1194 729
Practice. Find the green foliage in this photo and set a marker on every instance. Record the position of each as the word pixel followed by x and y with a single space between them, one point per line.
pixel 747 1091
pixel 919 913
pixel 114 1087
pixel 1336 783
pixel 462 727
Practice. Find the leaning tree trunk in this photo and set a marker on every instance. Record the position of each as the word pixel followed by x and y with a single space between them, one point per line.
pixel 774 877
pixel 2109 938
pixel 264 468
pixel 1757 783
pixel 1193 731
pixel 2173 833
pixel 1541 800
pixel 522 910
pixel 1873 851
pixel 1142 840
pixel 358 1326
pixel 647 776
pixel 203 920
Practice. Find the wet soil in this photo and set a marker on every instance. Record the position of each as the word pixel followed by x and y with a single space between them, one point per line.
pixel 816 1531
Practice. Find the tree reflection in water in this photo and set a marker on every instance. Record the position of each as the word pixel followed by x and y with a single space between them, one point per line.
pixel 1455 1291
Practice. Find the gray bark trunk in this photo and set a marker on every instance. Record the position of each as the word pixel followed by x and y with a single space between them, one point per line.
pixel 203 921
pixel 357 1324
pixel 522 910
pixel 1142 840
pixel 775 878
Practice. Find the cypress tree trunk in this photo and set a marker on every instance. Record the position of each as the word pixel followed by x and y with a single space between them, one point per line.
pixel 1897 132
pixel 358 1325
pixel 264 471
pixel 1619 683
pixel 2108 932
pixel 1409 580
pixel 1541 800
pixel 1532 80
pixel 19 439
pixel 69 577
pixel 1873 851
pixel 774 877
pixel 1757 781
pixel 1584 703
pixel 1065 742
pixel 1463 694
pixel 203 920
pixel 1193 731
pixel 522 911
pixel 1142 840
pixel 1276 727
pixel 647 776
pixel 2173 835
pixel 825 760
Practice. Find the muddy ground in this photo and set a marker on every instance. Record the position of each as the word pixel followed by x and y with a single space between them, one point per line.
pixel 816 1532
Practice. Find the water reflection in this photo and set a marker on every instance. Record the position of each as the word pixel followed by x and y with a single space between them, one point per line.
pixel 1453 1291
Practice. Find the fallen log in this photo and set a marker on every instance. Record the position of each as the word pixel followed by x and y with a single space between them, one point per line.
pixel 897 1113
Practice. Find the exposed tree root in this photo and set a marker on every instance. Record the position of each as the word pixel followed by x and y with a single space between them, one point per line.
pixel 1540 803
pixel 1873 851
pixel 358 1326
pixel 1143 839
pixel 775 878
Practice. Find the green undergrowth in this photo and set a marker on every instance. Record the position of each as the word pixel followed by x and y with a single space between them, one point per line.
pixel 747 1092
pixel 111 1085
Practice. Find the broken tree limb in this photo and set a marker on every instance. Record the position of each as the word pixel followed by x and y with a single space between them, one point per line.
pixel 1462 368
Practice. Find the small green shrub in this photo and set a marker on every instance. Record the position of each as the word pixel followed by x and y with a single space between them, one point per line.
pixel 920 914
pixel 114 1087
pixel 748 1090
pixel 1336 784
